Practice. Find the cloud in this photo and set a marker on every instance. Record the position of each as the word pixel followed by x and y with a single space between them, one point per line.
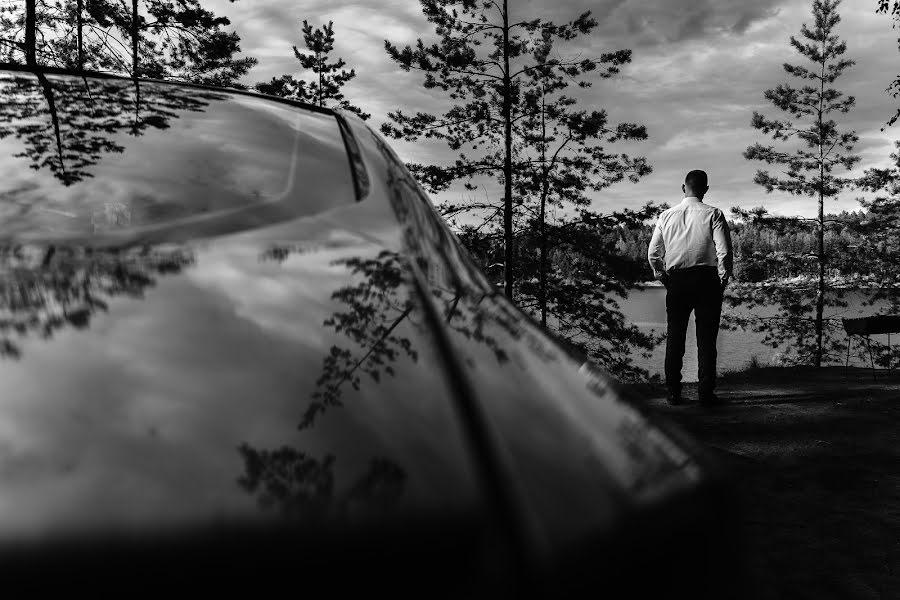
pixel 699 70
pixel 644 23
pixel 668 21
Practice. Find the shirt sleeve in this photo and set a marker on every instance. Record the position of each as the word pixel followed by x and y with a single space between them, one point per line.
pixel 657 250
pixel 722 239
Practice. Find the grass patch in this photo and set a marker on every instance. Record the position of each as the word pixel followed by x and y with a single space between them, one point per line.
pixel 753 366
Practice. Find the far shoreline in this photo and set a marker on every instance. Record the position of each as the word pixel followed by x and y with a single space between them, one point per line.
pixel 834 285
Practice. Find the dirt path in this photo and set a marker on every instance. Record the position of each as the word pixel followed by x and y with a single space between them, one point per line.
pixel 816 458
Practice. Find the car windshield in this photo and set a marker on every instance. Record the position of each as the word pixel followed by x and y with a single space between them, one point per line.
pixel 94 158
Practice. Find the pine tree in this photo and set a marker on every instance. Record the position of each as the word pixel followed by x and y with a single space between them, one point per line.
pixel 565 267
pixel 894 88
pixel 878 231
pixel 811 151
pixel 328 77
pixel 560 159
pixel 482 59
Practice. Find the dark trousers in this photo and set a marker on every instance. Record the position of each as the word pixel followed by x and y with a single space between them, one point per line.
pixel 695 289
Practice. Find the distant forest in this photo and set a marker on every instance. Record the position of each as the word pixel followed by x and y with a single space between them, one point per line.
pixel 763 253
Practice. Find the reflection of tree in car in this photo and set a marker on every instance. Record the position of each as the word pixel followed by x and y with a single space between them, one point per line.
pixel 381 298
pixel 377 302
pixel 372 310
pixel 300 486
pixel 297 485
pixel 67 125
pixel 43 289
pixel 31 112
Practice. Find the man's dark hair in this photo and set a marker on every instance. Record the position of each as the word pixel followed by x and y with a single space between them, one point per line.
pixel 696 180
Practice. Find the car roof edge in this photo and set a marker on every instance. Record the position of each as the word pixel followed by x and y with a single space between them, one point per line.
pixel 101 75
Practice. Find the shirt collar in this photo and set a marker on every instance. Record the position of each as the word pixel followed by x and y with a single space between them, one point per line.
pixel 692 199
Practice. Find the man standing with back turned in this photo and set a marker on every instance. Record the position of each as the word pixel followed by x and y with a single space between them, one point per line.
pixel 695 241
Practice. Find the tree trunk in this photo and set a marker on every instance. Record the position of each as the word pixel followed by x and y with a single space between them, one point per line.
pixel 321 77
pixel 545 189
pixel 507 160
pixel 820 291
pixel 79 8
pixel 30 32
pixel 136 124
pixel 542 290
pixel 135 32
pixel 820 237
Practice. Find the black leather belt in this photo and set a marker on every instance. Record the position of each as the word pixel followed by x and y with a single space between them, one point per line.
pixel 695 268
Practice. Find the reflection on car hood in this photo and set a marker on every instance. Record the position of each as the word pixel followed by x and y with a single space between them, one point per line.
pixel 113 160
pixel 188 383
pixel 148 377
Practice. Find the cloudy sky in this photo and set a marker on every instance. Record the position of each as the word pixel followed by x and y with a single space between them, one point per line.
pixel 699 70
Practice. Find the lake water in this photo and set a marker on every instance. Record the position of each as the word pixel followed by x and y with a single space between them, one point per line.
pixel 646 308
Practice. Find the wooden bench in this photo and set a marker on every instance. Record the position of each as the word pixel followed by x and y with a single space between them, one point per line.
pixel 874 325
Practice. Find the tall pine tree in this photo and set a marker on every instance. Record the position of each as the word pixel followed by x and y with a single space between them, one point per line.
pixel 562 157
pixel 483 57
pixel 810 148
pixel 894 7
pixel 565 266
pixel 324 89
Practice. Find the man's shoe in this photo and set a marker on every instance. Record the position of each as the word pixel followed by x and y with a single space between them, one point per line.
pixel 674 399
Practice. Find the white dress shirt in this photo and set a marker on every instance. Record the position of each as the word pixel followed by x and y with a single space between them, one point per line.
pixel 691 234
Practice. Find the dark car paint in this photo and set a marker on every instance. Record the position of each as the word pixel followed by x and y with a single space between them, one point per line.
pixel 253 365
